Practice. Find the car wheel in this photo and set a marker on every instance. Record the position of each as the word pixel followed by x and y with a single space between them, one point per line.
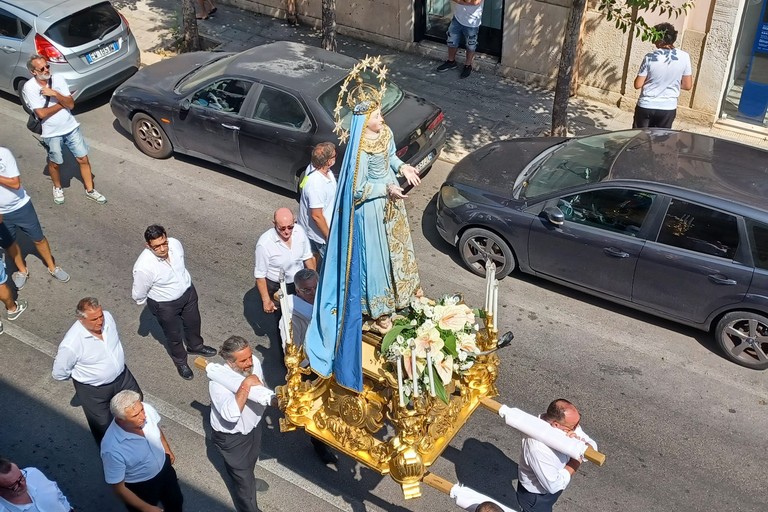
pixel 477 244
pixel 149 137
pixel 743 336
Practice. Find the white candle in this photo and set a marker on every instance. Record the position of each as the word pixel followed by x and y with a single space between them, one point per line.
pixel 431 375
pixel 495 307
pixel 400 380
pixel 488 288
pixel 414 370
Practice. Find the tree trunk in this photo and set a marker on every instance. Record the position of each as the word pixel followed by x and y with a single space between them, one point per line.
pixel 329 25
pixel 565 71
pixel 190 39
pixel 290 12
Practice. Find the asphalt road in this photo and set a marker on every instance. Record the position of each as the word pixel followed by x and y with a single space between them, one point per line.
pixel 683 428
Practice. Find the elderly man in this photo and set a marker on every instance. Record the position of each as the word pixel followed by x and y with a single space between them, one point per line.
pixel 92 356
pixel 29 490
pixel 300 307
pixel 236 421
pixel 137 458
pixel 317 197
pixel 48 96
pixel 544 473
pixel 282 249
pixel 161 280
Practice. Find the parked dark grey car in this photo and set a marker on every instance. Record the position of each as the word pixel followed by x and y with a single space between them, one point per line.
pixel 261 111
pixel 671 223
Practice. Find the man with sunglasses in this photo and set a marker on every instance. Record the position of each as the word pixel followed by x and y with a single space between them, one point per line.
pixel 544 473
pixel 29 489
pixel 48 96
pixel 283 249
pixel 161 280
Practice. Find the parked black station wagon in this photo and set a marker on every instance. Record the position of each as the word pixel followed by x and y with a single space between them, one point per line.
pixel 671 223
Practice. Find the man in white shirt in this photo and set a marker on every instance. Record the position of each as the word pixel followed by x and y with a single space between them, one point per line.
pixel 49 98
pixel 91 354
pixel 317 198
pixel 18 213
pixel 137 458
pixel 663 73
pixel 284 248
pixel 236 421
pixel 544 473
pixel 300 307
pixel 161 280
pixel 29 490
pixel 466 21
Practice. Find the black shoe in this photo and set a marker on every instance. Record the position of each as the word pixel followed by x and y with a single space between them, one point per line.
pixel 185 371
pixel 466 72
pixel 445 66
pixel 206 351
pixel 326 455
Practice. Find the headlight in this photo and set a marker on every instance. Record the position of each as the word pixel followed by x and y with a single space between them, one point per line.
pixel 451 197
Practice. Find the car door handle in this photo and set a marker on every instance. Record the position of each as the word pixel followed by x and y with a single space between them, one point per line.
pixel 230 126
pixel 720 279
pixel 287 139
pixel 616 253
pixel 9 49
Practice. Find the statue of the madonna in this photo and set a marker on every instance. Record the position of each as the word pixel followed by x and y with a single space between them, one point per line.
pixel 370 268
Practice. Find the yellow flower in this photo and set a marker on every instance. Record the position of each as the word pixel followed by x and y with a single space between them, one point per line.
pixel 453 318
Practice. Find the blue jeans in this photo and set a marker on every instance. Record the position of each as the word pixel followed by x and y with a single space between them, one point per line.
pixel 73 140
pixel 455 32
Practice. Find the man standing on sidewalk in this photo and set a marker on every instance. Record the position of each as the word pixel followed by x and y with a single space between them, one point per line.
pixel 467 17
pixel 92 355
pixel 59 125
pixel 18 212
pixel 160 279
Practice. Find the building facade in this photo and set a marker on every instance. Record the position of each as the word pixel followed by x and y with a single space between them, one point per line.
pixel 522 39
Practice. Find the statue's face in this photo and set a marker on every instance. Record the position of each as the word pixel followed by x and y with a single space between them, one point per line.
pixel 375 121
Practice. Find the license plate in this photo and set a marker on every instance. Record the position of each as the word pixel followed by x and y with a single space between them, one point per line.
pixel 100 53
pixel 421 165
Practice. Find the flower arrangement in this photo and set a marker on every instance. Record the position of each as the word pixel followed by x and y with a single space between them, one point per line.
pixel 434 340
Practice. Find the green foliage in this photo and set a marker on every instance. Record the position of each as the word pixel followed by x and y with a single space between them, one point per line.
pixel 624 14
pixel 440 391
pixel 397 328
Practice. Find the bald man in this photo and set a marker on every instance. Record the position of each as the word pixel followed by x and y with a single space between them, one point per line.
pixel 283 248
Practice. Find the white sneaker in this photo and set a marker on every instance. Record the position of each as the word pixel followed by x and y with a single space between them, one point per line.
pixel 94 194
pixel 58 195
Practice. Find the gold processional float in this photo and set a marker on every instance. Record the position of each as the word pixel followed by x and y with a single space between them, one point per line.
pixel 413 401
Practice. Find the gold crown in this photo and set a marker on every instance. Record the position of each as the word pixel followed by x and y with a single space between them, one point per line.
pixel 360 97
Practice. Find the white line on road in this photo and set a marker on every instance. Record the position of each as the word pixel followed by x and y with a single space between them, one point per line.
pixel 190 422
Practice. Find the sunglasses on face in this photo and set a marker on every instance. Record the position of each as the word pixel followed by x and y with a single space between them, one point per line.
pixel 15 486
pixel 44 68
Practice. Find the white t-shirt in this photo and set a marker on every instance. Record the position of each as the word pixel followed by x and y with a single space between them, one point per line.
pixel 468 15
pixel 10 199
pixel 663 69
pixel 272 255
pixel 60 123
pixel 319 192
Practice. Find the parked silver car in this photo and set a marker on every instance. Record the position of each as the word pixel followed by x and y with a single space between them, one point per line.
pixel 87 42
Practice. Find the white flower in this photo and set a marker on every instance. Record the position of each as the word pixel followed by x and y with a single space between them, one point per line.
pixel 453 318
pixel 467 342
pixel 444 368
pixel 428 339
pixel 427 326
pixel 450 300
pixel 462 356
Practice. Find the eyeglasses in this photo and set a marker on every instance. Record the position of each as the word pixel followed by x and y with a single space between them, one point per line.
pixel 44 68
pixel 158 246
pixel 284 228
pixel 15 486
pixel 312 290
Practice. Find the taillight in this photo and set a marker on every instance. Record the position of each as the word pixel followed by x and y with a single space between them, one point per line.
pixel 126 22
pixel 436 122
pixel 402 151
pixel 45 49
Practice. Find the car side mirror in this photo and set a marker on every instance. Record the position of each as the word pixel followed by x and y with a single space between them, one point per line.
pixel 554 215
pixel 185 104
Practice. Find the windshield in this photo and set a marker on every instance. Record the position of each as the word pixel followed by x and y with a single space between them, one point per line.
pixel 205 73
pixel 84 26
pixel 392 97
pixel 576 162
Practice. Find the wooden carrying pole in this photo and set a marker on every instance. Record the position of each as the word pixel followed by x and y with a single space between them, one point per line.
pixel 590 454
pixel 439 483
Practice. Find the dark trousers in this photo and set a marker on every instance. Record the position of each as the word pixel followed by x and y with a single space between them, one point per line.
pixel 533 502
pixel 653 118
pixel 240 453
pixel 180 321
pixel 95 401
pixel 163 488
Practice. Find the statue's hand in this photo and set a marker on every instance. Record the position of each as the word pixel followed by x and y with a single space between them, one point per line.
pixel 411 175
pixel 396 191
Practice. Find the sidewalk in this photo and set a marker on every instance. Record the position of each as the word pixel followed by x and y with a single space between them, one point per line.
pixel 478 110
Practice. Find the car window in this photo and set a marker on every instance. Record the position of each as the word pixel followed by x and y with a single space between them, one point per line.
pixel 576 162
pixel 618 210
pixel 701 229
pixel 392 96
pixel 227 95
pixel 759 234
pixel 12 27
pixel 281 108
pixel 84 26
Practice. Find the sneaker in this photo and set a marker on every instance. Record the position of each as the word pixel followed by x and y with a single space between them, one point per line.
pixel 445 66
pixel 59 274
pixel 20 279
pixel 58 195
pixel 466 72
pixel 1 327
pixel 21 306
pixel 94 194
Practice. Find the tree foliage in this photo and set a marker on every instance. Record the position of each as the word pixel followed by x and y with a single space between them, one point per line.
pixel 624 14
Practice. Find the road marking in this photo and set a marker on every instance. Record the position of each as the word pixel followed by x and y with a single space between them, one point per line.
pixel 192 423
